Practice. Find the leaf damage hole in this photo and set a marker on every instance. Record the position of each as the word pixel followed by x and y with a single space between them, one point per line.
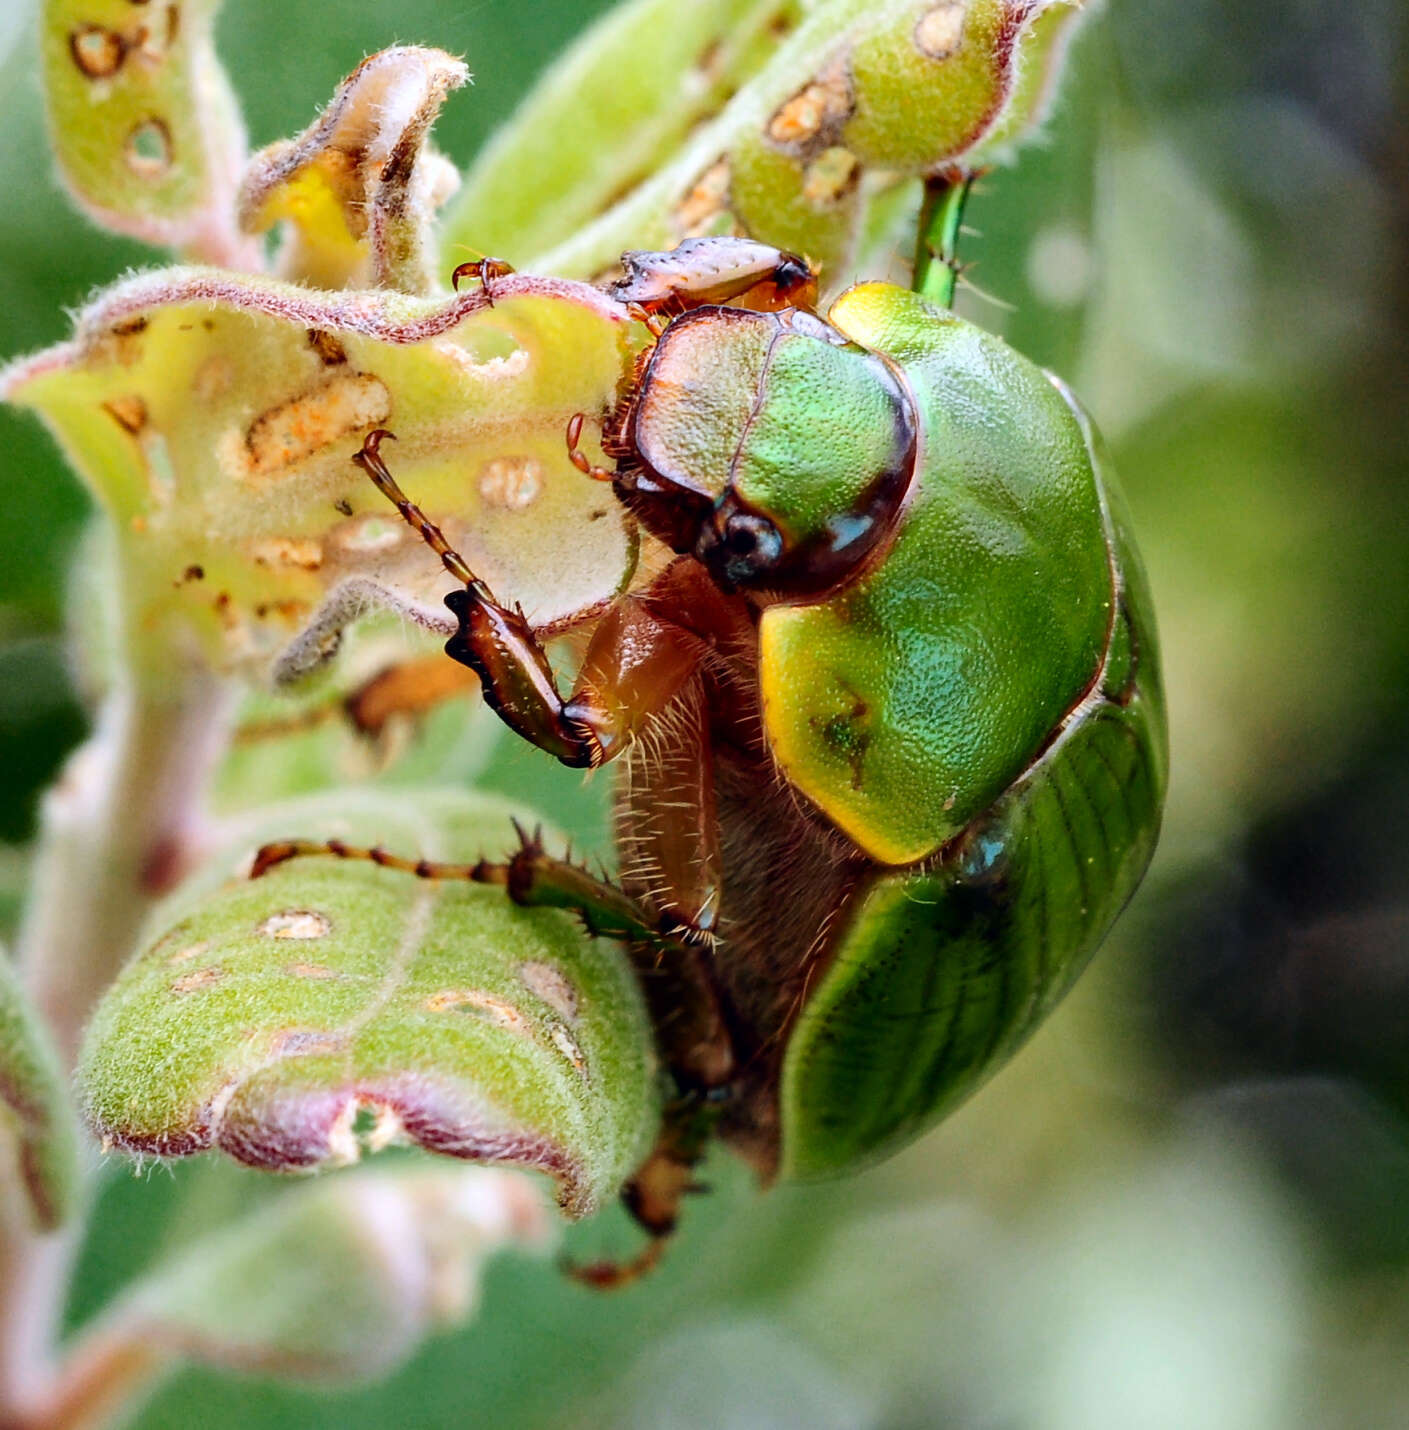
pixel 552 986
pixel 295 923
pixel 201 978
pixel 831 176
pixel 97 52
pixel 302 553
pixel 511 482
pixel 331 352
pixel 306 424
pixel 497 1010
pixel 371 534
pixel 695 214
pixel 130 412
pixel 824 105
pixel 148 149
pixel 319 972
pixel 940 31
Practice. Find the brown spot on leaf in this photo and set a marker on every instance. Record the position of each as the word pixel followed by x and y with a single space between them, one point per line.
pixel 511 482
pixel 213 377
pixel 552 986
pixel 304 553
pixel 695 213
pixel 191 950
pixel 830 177
pixel 148 149
pixel 497 1010
pixel 130 413
pixel 306 424
pixel 319 972
pixel 820 107
pixel 295 923
pixel 940 31
pixel 330 351
pixel 97 52
pixel 201 978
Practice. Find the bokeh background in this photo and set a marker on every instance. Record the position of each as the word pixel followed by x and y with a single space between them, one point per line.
pixel 1186 1204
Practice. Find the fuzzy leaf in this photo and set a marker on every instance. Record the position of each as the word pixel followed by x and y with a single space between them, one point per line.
pixel 35 1116
pixel 339 1281
pixel 144 125
pixel 214 417
pixel 360 187
pixel 578 142
pixel 858 96
pixel 292 1020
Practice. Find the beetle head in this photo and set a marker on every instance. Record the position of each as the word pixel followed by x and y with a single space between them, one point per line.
pixel 769 447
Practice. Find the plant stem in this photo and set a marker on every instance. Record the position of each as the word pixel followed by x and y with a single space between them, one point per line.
pixel 937 242
pixel 117 830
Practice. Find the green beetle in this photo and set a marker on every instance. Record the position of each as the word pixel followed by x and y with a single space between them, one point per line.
pixel 891 717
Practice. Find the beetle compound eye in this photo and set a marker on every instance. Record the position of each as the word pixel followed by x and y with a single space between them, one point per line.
pixel 740 549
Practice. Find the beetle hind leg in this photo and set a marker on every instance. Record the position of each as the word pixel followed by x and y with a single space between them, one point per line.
pixel 655 1195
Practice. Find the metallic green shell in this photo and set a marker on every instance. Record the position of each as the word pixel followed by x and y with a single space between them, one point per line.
pixel 904 706
pixel 942 971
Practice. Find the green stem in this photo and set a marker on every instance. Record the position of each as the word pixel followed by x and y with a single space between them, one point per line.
pixel 937 242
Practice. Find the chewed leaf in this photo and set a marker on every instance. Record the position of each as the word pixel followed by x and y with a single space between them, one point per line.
pixel 579 142
pixel 329 1008
pixel 145 126
pixel 35 1117
pixel 339 1281
pixel 215 418
pixel 360 187
pixel 856 96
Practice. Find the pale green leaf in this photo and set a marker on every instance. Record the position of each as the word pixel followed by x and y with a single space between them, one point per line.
pixel 37 1124
pixel 215 417
pixel 297 1020
pixel 601 119
pixel 143 122
pixel 859 95
pixel 337 1282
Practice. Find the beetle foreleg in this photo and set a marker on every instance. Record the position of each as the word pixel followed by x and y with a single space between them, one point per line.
pixel 496 643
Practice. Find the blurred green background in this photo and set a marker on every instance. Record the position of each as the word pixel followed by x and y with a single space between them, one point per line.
pixel 1187 1203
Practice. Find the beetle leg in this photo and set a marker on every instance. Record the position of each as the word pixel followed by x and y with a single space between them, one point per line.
pixel 578 458
pixel 655 1194
pixel 671 965
pixel 497 643
pixel 668 833
pixel 485 269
